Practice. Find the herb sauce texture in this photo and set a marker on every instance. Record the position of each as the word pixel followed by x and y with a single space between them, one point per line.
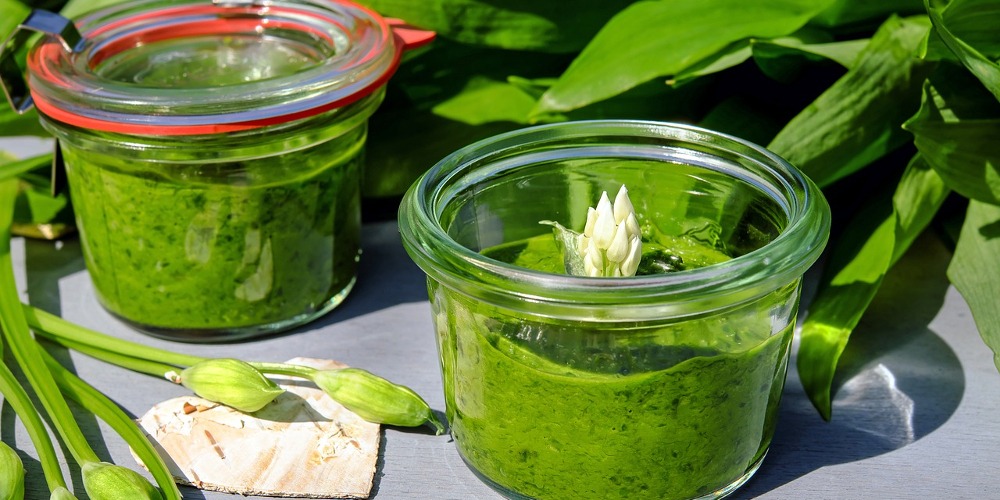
pixel 178 246
pixel 555 409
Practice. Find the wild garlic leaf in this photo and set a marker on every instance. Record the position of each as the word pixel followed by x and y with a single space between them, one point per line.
pixel 957 130
pixel 511 24
pixel 654 39
pixel 987 71
pixel 974 22
pixel 844 53
pixel 852 12
pixel 974 270
pixel 857 120
pixel 876 238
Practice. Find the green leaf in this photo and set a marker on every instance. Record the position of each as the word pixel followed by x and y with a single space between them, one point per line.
pixel 653 39
pixel 735 54
pixel 972 21
pixel 987 71
pixel 956 129
pixel 843 53
pixel 873 242
pixel 507 103
pixel 13 13
pixel 512 24
pixel 975 270
pixel 857 120
pixel 847 12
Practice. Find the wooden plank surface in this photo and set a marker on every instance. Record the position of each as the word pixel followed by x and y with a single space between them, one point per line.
pixel 915 415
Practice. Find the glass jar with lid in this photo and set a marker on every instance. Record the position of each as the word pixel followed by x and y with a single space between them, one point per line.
pixel 214 153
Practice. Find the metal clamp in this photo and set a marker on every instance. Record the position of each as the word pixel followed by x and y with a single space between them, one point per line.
pixel 15 88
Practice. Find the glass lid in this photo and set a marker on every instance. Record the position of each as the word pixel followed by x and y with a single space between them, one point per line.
pixel 192 67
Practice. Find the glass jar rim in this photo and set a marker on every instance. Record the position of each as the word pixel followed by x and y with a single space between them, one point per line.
pixel 66 86
pixel 682 293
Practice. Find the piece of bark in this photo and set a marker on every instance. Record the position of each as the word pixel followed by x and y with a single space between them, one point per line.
pixel 303 444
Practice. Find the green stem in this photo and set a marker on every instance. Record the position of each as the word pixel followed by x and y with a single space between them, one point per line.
pixel 300 371
pixel 105 409
pixel 22 345
pixel 21 402
pixel 128 362
pixel 57 327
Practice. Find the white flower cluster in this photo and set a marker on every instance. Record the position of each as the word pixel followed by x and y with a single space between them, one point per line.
pixel 611 244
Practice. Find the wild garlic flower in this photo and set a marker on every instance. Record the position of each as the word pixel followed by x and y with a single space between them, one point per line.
pixel 611 243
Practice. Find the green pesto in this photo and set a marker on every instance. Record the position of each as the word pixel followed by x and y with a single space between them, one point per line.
pixel 560 410
pixel 224 246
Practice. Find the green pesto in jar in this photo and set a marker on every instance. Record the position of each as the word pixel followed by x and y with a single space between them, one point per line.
pixel 221 246
pixel 562 410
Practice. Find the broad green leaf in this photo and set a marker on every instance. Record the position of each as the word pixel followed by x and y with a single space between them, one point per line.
pixel 771 54
pixel 857 120
pixel 849 12
pixel 13 13
pixel 37 213
pixel 735 54
pixel 651 39
pixel 987 71
pixel 975 270
pixel 843 53
pixel 876 238
pixel 506 103
pixel 407 136
pixel 511 24
pixel 972 21
pixel 785 59
pixel 10 166
pixel 957 130
pixel 12 123
pixel 917 199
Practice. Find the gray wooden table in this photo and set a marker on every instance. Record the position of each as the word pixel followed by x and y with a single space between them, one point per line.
pixel 916 414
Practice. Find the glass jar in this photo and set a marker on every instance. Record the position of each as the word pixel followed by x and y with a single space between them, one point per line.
pixel 661 386
pixel 214 154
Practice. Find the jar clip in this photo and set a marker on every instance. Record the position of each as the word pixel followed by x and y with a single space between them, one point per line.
pixel 11 76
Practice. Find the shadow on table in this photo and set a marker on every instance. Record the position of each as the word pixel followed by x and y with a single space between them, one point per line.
pixel 386 277
pixel 897 382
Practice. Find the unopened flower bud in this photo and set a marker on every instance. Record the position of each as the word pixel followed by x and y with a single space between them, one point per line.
pixel 632 225
pixel 619 245
pixel 631 262
pixel 109 481
pixel 623 205
pixel 588 230
pixel 231 382
pixel 376 399
pixel 11 474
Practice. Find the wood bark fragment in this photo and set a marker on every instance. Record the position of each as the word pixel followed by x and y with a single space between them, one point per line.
pixel 303 444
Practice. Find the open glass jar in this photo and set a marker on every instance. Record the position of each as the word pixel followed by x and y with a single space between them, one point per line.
pixel 663 386
pixel 214 153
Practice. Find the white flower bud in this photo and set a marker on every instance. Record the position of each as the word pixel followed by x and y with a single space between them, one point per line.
pixel 591 220
pixel 590 268
pixel 631 262
pixel 632 224
pixel 623 205
pixel 619 245
pixel 595 257
pixel 604 228
pixel 582 244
